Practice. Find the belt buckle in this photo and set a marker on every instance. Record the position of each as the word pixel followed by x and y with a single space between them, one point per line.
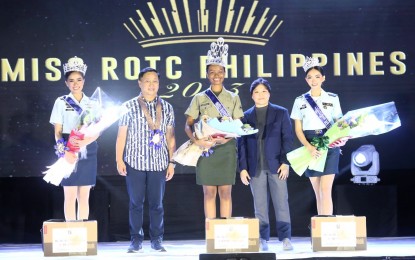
pixel 318 132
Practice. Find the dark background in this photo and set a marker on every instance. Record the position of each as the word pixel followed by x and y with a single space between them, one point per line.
pixel 94 29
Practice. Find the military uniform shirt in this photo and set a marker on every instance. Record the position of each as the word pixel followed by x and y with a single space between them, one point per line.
pixel 65 114
pixel 202 105
pixel 328 103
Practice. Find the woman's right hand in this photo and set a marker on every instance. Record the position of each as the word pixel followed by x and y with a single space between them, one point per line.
pixel 71 157
pixel 220 140
pixel 315 153
pixel 245 177
pixel 204 144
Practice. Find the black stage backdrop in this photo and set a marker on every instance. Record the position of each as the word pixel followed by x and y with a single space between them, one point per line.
pixel 366 47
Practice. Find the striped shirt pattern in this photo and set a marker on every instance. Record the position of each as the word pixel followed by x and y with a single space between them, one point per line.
pixel 138 153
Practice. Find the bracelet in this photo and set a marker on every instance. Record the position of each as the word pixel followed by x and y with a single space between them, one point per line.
pixel 60 148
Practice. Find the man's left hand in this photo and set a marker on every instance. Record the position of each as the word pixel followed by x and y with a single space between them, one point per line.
pixel 170 172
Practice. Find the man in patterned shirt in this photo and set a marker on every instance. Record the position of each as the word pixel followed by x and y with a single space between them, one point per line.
pixel 145 144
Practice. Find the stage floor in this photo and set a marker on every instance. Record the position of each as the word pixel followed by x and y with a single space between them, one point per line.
pixel 377 248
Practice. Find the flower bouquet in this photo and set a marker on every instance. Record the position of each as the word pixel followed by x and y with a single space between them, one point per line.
pixel 99 115
pixel 189 153
pixel 372 120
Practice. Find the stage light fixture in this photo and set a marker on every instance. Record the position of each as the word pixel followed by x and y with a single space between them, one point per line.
pixel 365 165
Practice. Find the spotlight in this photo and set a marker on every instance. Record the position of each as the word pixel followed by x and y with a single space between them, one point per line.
pixel 365 165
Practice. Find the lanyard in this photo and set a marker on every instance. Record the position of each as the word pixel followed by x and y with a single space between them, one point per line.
pixel 151 124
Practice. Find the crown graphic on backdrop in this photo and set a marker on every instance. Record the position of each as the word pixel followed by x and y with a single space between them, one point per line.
pixel 179 23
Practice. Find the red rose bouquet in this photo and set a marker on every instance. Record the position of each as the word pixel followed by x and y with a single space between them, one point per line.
pixel 101 112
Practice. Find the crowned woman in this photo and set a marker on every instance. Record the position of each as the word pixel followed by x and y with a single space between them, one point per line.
pixel 216 172
pixel 65 115
pixel 314 113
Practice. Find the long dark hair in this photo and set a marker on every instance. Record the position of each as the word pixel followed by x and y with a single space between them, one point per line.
pixel 319 68
pixel 70 72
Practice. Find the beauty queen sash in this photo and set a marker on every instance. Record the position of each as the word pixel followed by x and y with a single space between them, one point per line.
pixel 219 106
pixel 317 110
pixel 73 104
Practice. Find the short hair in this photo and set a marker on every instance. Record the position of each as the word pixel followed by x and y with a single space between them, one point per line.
pixel 207 67
pixel 145 70
pixel 257 82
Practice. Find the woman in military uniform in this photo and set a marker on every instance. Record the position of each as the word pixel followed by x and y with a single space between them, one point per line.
pixel 216 172
pixel 64 118
pixel 313 113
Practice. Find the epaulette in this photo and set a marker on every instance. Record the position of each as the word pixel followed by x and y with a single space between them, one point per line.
pixel 332 94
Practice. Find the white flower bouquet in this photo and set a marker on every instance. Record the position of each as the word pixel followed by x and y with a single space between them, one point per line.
pixel 372 120
pixel 100 114
pixel 188 153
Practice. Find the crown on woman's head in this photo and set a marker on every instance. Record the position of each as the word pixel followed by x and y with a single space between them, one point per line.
pixel 310 62
pixel 218 53
pixel 75 64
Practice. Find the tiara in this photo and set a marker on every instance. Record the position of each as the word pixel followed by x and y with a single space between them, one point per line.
pixel 218 53
pixel 310 62
pixel 75 64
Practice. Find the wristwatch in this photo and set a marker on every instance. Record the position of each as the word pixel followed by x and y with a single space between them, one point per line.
pixel 173 162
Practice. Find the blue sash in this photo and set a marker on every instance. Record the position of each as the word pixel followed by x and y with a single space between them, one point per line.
pixel 317 110
pixel 73 104
pixel 219 106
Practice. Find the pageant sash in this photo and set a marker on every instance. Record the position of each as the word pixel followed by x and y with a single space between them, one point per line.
pixel 317 110
pixel 219 106
pixel 73 104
